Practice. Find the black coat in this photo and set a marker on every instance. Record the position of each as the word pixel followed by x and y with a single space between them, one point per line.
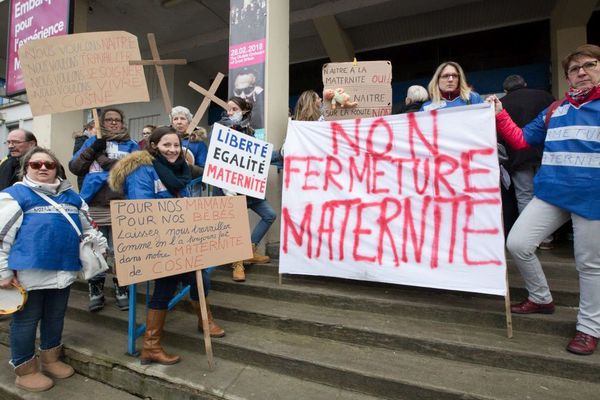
pixel 523 105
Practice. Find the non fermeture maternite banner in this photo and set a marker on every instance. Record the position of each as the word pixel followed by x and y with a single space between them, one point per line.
pixel 411 199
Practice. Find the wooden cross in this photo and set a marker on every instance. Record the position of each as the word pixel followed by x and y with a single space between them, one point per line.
pixel 209 95
pixel 158 63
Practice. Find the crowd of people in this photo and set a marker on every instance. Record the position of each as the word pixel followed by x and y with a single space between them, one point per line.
pixel 551 162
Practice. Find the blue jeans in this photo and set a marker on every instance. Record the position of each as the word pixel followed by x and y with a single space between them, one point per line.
pixel 49 307
pixel 164 288
pixel 267 217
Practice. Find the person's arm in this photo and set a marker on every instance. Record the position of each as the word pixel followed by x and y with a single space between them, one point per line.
pixel 88 228
pixel 140 184
pixel 11 218
pixel 87 154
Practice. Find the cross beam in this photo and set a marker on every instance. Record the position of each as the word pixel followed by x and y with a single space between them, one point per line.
pixel 209 95
pixel 158 64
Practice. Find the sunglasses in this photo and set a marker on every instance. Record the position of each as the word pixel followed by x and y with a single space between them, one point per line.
pixel 38 164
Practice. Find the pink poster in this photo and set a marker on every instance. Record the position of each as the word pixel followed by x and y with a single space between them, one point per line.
pixel 30 20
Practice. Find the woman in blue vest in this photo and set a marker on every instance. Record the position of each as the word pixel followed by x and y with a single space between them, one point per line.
pixel 567 185
pixel 93 161
pixel 161 172
pixel 181 117
pixel 31 256
pixel 449 88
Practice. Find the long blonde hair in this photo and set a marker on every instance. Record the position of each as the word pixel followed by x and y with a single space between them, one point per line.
pixel 434 88
pixel 306 107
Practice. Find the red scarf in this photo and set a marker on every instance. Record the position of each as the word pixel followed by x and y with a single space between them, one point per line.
pixel 579 96
pixel 450 95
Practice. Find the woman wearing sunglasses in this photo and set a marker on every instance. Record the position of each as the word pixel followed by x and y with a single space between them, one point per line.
pixel 31 256
pixel 161 172
pixel 449 88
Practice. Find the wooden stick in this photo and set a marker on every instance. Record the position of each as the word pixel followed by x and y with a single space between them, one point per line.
pixel 280 279
pixel 204 312
pixel 161 75
pixel 205 103
pixel 208 94
pixel 176 61
pixel 509 326
pixel 97 123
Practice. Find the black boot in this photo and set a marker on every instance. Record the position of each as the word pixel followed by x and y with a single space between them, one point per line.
pixel 121 295
pixel 96 287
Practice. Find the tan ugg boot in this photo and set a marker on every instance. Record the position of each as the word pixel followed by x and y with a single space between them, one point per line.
pixel 257 258
pixel 52 366
pixel 238 271
pixel 30 378
pixel 152 350
pixel 213 329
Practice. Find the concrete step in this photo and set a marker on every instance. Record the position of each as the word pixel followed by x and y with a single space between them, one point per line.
pixel 374 370
pixel 393 300
pixel 76 387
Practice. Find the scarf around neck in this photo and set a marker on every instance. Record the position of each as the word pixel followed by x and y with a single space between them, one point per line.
pixel 122 136
pixel 175 176
pixel 579 96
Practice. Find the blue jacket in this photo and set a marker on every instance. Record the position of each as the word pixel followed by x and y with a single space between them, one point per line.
pixel 45 240
pixel 474 98
pixel 569 177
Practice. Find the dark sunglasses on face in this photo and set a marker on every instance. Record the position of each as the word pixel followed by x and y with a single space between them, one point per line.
pixel 38 164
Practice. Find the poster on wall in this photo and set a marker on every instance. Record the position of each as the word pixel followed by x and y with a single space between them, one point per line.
pixel 411 199
pixel 247 49
pixel 30 20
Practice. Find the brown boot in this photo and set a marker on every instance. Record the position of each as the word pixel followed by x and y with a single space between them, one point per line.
pixel 152 351
pixel 257 258
pixel 213 329
pixel 52 366
pixel 30 378
pixel 238 271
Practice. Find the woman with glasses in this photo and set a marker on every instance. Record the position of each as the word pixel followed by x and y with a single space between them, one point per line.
pixel 567 185
pixel 31 256
pixel 449 88
pixel 93 161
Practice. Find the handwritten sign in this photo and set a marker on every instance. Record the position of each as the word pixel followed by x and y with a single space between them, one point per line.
pixel 237 162
pixel 80 71
pixel 157 238
pixel 368 83
pixel 411 199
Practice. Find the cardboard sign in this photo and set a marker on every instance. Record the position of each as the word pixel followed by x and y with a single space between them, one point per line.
pixel 80 71
pixel 237 162
pixel 367 83
pixel 412 199
pixel 157 238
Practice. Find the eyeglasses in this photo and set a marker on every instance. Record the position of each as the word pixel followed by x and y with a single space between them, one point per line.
pixel 15 142
pixel 38 164
pixel 113 120
pixel 146 133
pixel 448 76
pixel 587 67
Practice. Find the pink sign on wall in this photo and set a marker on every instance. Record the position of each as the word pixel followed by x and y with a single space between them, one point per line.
pixel 30 20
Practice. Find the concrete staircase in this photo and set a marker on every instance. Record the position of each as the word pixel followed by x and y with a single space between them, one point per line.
pixel 320 338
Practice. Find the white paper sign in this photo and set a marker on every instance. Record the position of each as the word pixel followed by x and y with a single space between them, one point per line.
pixel 237 162
pixel 411 199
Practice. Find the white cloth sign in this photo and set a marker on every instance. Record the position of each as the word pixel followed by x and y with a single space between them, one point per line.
pixel 237 162
pixel 412 199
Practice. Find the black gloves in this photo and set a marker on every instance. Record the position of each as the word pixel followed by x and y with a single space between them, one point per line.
pixel 99 145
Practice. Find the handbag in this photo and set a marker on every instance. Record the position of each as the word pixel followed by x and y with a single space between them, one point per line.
pixel 92 261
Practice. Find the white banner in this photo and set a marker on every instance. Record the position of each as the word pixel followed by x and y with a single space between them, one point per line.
pixel 412 199
pixel 237 162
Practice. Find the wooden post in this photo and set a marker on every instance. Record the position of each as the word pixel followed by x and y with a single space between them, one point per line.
pixel 97 123
pixel 509 327
pixel 158 65
pixel 209 95
pixel 204 312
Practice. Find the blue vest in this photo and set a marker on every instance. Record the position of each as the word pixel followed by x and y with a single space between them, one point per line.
pixel 45 240
pixel 474 98
pixel 144 183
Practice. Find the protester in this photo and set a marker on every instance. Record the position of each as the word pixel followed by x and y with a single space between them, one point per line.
pixel 309 107
pixel 146 131
pixel 415 97
pixel 566 186
pixel 31 255
pixel 160 172
pixel 18 141
pixel 181 117
pixel 449 88
pixel 93 161
pixel 239 114
pixel 523 105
